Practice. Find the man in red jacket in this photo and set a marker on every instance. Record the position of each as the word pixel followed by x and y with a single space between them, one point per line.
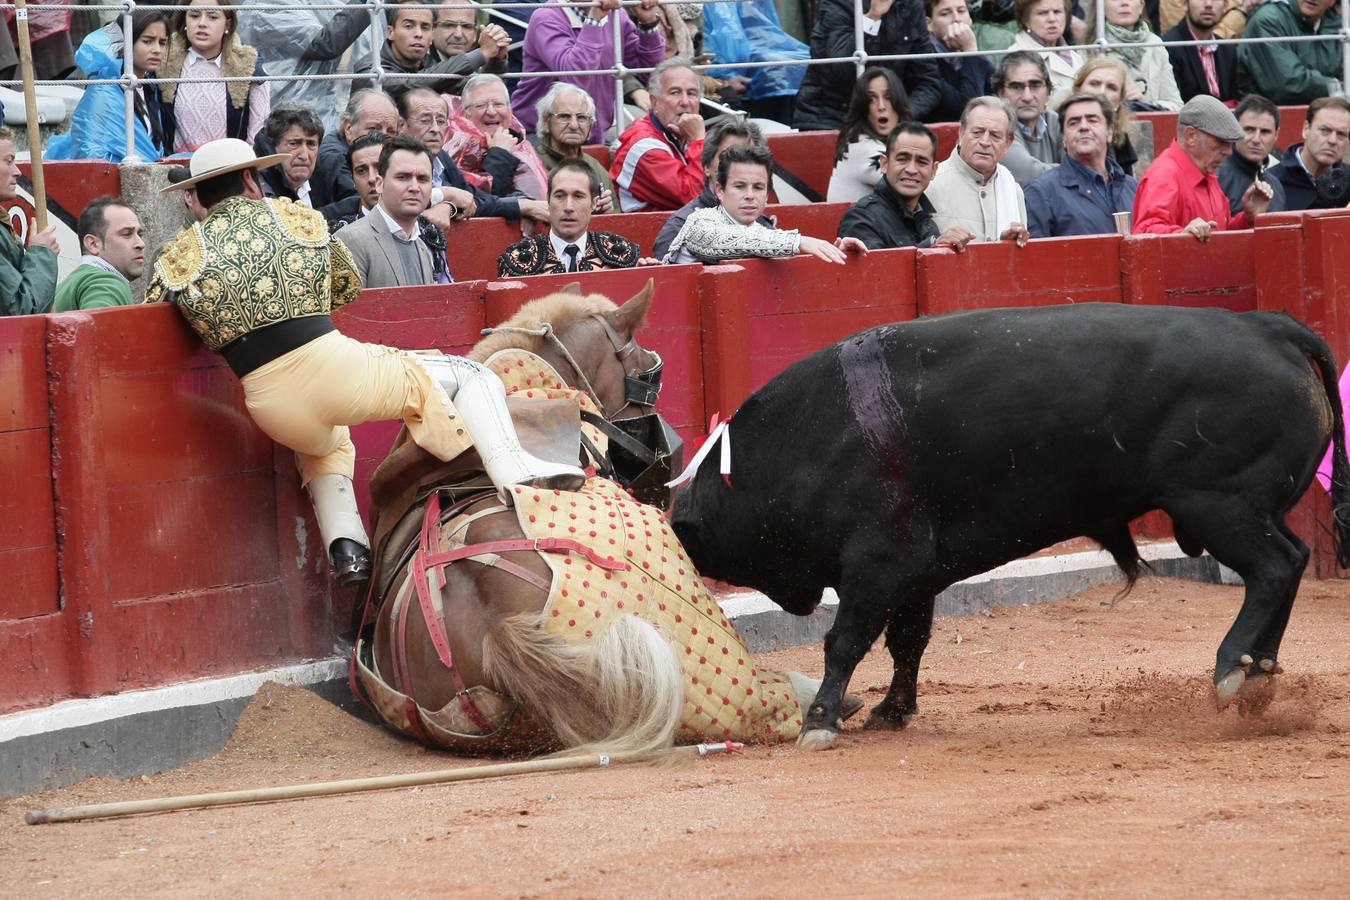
pixel 1180 192
pixel 658 164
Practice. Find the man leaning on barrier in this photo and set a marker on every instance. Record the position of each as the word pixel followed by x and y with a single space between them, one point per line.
pixel 112 242
pixel 972 189
pixel 896 213
pixel 1180 192
pixel 1085 192
pixel 257 280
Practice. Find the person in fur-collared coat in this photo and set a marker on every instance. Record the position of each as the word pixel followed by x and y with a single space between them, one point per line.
pixel 205 44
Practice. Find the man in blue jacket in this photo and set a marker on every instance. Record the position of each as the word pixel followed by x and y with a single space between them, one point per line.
pixel 1088 188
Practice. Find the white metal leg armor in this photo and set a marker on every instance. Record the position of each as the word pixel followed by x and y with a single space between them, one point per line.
pixel 340 527
pixel 480 399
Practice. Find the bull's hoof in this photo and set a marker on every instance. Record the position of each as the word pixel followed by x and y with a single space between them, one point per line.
pixel 887 720
pixel 1227 687
pixel 817 739
pixel 849 708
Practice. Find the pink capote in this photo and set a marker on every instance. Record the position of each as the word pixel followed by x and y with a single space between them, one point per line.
pixel 1324 470
pixel 467 146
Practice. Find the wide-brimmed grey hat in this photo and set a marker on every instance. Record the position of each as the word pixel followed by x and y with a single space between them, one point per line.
pixel 1208 114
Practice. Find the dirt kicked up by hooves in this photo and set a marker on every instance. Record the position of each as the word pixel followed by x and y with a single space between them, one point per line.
pixel 1254 691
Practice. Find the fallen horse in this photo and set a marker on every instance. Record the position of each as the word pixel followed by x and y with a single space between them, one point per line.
pixel 546 618
pixel 911 456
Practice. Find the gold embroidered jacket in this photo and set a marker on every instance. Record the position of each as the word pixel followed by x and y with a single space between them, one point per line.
pixel 250 264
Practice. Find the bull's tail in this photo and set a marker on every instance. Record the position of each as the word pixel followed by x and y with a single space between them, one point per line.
pixel 1317 350
pixel 621 692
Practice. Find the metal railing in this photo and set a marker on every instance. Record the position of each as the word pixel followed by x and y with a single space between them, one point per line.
pixel 860 58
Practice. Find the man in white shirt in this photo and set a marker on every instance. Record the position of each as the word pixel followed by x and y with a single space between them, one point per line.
pixel 971 189
pixel 387 244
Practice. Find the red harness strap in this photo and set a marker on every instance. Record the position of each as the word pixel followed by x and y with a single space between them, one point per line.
pixel 426 564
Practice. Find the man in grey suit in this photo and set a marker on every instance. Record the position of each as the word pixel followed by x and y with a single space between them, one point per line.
pixel 386 244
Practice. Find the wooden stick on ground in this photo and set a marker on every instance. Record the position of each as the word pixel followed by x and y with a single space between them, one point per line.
pixel 31 114
pixel 354 785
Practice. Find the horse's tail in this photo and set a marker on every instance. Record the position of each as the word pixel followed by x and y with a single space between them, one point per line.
pixel 621 692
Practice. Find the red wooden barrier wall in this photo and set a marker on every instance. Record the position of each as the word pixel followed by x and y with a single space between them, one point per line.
pixel 759 316
pixel 1178 270
pixel 1065 270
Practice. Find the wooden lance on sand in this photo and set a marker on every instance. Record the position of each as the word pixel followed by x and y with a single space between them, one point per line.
pixel 31 113
pixel 354 785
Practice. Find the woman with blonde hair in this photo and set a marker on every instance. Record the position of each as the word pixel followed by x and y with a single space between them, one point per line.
pixel 1152 85
pixel 1042 26
pixel 1107 77
pixel 204 43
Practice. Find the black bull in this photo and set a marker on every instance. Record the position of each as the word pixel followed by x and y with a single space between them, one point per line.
pixel 911 456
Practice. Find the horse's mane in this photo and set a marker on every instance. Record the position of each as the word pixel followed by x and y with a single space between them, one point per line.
pixel 559 310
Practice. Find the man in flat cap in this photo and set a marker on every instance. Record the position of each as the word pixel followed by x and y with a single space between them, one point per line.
pixel 1180 192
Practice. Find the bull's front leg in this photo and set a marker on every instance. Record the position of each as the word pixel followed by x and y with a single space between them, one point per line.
pixel 857 625
pixel 907 635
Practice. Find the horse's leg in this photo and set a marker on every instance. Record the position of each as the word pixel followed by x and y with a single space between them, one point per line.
pixel 907 635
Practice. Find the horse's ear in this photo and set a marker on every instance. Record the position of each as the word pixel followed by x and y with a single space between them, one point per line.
pixel 633 314
pixel 573 288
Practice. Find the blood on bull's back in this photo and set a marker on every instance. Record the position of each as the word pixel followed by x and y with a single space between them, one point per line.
pixel 910 456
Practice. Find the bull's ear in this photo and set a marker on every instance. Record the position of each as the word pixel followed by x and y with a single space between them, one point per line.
pixel 633 314
pixel 573 288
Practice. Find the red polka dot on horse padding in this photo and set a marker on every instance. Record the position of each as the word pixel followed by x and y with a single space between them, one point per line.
pixel 597 613
pixel 556 613
pixel 571 623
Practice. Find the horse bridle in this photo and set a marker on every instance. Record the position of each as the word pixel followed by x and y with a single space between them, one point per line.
pixel 639 389
pixel 649 446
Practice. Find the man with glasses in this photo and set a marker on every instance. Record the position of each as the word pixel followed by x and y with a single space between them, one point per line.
pixel 1022 80
pixel 488 143
pixel 425 117
pixel 565 115
pixel 1312 173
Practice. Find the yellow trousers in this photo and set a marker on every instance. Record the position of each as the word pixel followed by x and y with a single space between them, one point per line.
pixel 305 400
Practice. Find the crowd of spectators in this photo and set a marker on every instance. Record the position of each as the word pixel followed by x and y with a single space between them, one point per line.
pixel 454 127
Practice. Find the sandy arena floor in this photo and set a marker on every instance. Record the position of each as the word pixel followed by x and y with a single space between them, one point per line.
pixel 1061 750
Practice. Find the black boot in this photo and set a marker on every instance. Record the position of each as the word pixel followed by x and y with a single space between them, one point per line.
pixel 351 562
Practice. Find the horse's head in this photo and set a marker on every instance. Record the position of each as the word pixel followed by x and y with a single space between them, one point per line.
pixel 590 342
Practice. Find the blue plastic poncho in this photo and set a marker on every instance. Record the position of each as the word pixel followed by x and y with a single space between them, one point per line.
pixel 98 129
pixel 750 32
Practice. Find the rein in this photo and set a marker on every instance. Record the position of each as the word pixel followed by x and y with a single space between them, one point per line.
pixel 546 332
